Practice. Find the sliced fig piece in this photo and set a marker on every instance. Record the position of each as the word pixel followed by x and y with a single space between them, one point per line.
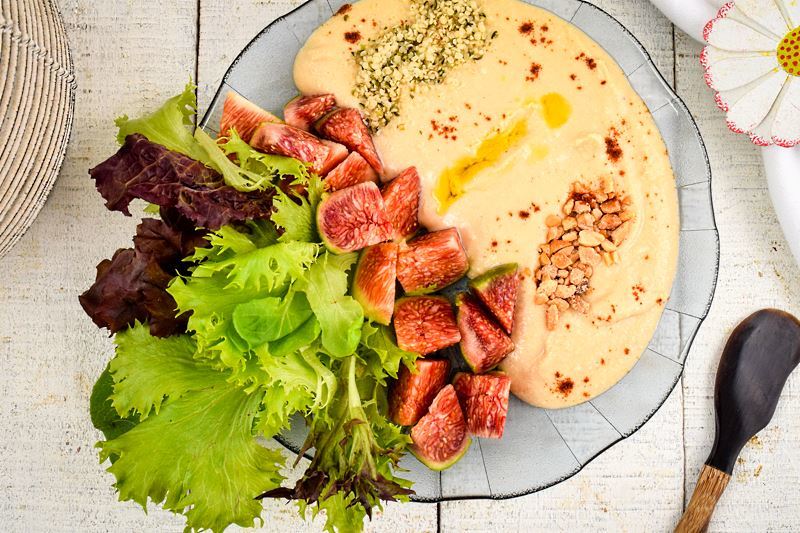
pixel 440 438
pixel 280 139
pixel 483 342
pixel 351 171
pixel 425 324
pixel 353 218
pixel 412 394
pixel 497 289
pixel 338 154
pixel 484 399
pixel 432 262
pixel 243 115
pixel 375 281
pixel 401 197
pixel 303 111
pixel 347 126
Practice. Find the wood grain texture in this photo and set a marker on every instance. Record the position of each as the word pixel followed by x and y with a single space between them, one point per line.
pixel 709 489
pixel 132 54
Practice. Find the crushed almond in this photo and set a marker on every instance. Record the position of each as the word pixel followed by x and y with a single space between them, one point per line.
pixel 595 223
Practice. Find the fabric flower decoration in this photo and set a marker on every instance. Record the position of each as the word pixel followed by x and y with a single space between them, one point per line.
pixel 752 61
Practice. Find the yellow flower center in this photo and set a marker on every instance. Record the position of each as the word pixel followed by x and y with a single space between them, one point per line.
pixel 789 52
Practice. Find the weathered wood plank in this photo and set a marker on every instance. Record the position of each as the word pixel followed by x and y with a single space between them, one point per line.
pixel 128 58
pixel 757 271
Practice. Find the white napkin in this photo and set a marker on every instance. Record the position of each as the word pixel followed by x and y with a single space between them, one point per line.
pixel 782 165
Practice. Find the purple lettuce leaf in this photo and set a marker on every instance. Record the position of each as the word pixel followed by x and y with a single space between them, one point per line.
pixel 132 285
pixel 146 170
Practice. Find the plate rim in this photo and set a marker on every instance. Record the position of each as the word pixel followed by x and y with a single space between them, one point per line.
pixel 676 100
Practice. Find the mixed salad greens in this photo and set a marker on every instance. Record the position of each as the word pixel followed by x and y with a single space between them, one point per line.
pixel 265 330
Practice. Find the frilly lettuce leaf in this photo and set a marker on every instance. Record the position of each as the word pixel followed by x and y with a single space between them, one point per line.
pixel 170 125
pixel 148 369
pixel 195 453
pixel 261 164
pixel 296 216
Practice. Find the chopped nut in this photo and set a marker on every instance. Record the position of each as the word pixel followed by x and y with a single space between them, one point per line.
pixel 554 233
pixel 587 269
pixel 562 260
pixel 551 317
pixel 576 276
pixel 579 304
pixel 589 256
pixel 596 223
pixel 586 221
pixel 557 245
pixel 582 207
pixel 590 238
pixel 562 305
pixel 548 287
pixel 552 221
pixel 609 246
pixel 565 291
pixel 611 206
pixel 550 271
pixel 609 222
pixel 622 233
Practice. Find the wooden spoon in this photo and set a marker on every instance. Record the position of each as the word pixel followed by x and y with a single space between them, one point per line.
pixel 755 365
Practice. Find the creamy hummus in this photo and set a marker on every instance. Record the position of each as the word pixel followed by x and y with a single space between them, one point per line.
pixel 510 133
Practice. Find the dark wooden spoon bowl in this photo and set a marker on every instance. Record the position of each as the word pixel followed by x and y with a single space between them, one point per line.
pixel 758 359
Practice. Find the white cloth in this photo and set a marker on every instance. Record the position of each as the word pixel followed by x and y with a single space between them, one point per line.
pixel 782 165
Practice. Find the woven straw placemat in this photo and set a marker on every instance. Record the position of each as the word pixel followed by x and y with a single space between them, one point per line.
pixel 37 100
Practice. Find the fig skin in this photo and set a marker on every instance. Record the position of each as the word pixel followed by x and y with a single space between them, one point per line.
pixel 412 394
pixel 498 289
pixel 425 324
pixel 303 111
pixel 282 139
pixel 484 344
pixel 375 281
pixel 401 197
pixel 432 262
pixel 352 171
pixel 440 439
pixel 244 116
pixel 346 126
pixel 352 219
pixel 484 399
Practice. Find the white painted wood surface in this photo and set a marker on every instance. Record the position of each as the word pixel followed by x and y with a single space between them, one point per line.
pixel 131 55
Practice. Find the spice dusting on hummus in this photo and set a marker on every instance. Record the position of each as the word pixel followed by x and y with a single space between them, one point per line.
pixel 527 115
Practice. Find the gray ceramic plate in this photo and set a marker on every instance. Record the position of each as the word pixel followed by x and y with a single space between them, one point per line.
pixel 542 447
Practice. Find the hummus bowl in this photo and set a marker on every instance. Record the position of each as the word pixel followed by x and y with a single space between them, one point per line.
pixel 544 446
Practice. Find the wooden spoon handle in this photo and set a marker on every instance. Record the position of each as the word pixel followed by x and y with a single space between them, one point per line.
pixel 710 486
